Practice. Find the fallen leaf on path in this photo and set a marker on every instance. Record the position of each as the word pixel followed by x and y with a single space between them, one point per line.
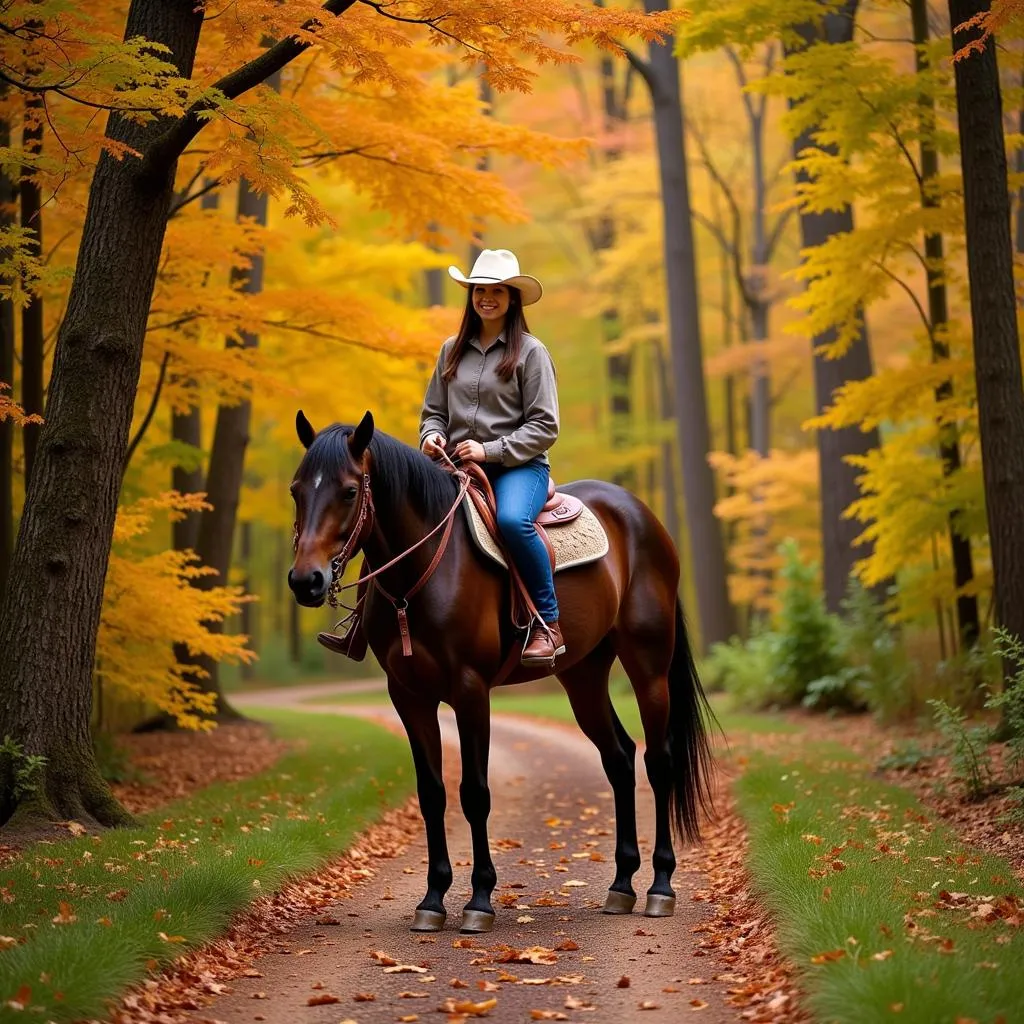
pixel 573 882
pixel 328 920
pixel 649 1004
pixel 567 946
pixel 304 952
pixel 533 955
pixel 524 919
pixel 382 958
pixel 468 1008
pixel 464 943
pixel 258 995
pixel 408 1019
pixel 695 981
pixel 413 995
pixel 6 941
pixel 548 1015
pixel 251 972
pixel 324 999
pixel 458 983
pixel 572 1003
pixel 697 1004
pixel 487 986
pixel 364 997
pixel 405 969
pixel 623 982
pixel 671 988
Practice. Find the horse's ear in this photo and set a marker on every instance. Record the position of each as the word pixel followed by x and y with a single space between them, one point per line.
pixel 361 436
pixel 304 429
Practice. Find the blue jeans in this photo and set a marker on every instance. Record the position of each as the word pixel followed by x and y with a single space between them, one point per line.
pixel 520 492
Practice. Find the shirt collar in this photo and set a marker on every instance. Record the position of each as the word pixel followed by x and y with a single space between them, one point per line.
pixel 475 342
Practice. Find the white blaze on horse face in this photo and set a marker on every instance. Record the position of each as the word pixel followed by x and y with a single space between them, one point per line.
pixel 317 481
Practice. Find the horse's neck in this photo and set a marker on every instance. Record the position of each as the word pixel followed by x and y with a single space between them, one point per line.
pixel 397 529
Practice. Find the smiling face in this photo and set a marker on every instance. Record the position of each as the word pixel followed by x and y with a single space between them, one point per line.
pixel 491 301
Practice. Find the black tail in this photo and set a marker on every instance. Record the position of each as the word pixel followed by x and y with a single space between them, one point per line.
pixel 692 762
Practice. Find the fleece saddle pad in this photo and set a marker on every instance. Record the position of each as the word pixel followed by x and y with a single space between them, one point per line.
pixel 576 543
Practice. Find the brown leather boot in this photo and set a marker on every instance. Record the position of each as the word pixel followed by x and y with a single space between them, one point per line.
pixel 352 644
pixel 544 645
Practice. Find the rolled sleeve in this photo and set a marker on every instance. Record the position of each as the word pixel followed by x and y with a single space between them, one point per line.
pixel 540 412
pixel 493 451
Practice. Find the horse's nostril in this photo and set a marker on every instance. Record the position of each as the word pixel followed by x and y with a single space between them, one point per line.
pixel 291 578
pixel 316 580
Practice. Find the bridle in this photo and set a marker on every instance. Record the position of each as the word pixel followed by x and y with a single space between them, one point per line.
pixel 362 528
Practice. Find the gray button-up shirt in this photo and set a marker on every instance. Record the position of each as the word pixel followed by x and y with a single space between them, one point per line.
pixel 516 420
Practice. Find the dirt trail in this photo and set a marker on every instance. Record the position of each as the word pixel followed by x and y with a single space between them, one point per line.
pixel 552 833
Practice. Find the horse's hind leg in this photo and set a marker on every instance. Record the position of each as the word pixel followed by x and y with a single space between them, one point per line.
pixel 420 720
pixel 644 646
pixel 586 683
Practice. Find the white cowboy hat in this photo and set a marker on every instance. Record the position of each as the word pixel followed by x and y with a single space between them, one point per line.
pixel 499 266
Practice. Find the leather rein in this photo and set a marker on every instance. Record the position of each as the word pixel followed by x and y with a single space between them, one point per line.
pixel 356 538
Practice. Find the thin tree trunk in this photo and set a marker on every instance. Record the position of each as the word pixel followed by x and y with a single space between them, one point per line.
pixel 997 364
pixel 247 616
pixel 8 199
pixel 486 94
pixel 707 553
pixel 434 281
pixel 32 333
pixel 760 307
pixel 49 620
pixel 227 462
pixel 837 478
pixel 938 314
pixel 670 517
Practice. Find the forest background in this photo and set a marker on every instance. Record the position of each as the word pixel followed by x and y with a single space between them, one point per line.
pixel 303 266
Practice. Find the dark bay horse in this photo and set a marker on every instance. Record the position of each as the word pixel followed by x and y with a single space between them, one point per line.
pixel 357 490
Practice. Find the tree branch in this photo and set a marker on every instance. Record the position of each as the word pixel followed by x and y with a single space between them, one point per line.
pixel 169 146
pixel 642 67
pixel 150 412
pixel 775 235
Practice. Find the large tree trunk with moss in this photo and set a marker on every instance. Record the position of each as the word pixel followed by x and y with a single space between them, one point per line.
pixel 50 618
pixel 8 196
pixel 838 479
pixel 33 357
pixel 707 552
pixel 997 364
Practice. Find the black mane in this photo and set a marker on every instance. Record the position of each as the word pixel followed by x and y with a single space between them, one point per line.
pixel 401 475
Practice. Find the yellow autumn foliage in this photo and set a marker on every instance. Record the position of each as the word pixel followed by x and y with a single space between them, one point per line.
pixel 149 605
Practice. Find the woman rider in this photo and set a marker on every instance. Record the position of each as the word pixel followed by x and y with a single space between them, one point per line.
pixel 492 399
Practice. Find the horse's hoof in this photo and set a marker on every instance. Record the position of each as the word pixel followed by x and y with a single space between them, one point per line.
pixel 619 902
pixel 428 921
pixel 659 905
pixel 476 921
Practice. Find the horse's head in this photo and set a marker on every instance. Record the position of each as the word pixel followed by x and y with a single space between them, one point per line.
pixel 333 506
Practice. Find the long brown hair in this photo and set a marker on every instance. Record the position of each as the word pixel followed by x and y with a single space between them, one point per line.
pixel 515 328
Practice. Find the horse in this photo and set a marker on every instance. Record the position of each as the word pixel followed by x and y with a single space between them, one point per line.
pixel 357 489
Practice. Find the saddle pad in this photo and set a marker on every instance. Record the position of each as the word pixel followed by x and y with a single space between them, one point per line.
pixel 576 543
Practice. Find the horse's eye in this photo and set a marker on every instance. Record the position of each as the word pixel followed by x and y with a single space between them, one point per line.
pixel 350 493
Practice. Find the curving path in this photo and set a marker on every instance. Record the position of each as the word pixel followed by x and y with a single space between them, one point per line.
pixel 552 832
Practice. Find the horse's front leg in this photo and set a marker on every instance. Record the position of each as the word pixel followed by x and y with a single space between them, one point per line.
pixel 473 715
pixel 419 717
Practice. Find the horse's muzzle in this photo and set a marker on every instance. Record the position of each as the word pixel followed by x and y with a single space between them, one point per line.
pixel 310 589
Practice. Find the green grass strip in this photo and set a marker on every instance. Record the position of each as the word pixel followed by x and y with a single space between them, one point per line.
pixel 127 900
pixel 886 913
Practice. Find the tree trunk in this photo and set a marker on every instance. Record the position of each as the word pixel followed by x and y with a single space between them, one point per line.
pixel 760 307
pixel 32 334
pixel 707 552
pixel 619 365
pixel 837 478
pixel 968 622
pixel 997 365
pixel 8 198
pixel 247 616
pixel 227 456
pixel 484 163
pixel 49 620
